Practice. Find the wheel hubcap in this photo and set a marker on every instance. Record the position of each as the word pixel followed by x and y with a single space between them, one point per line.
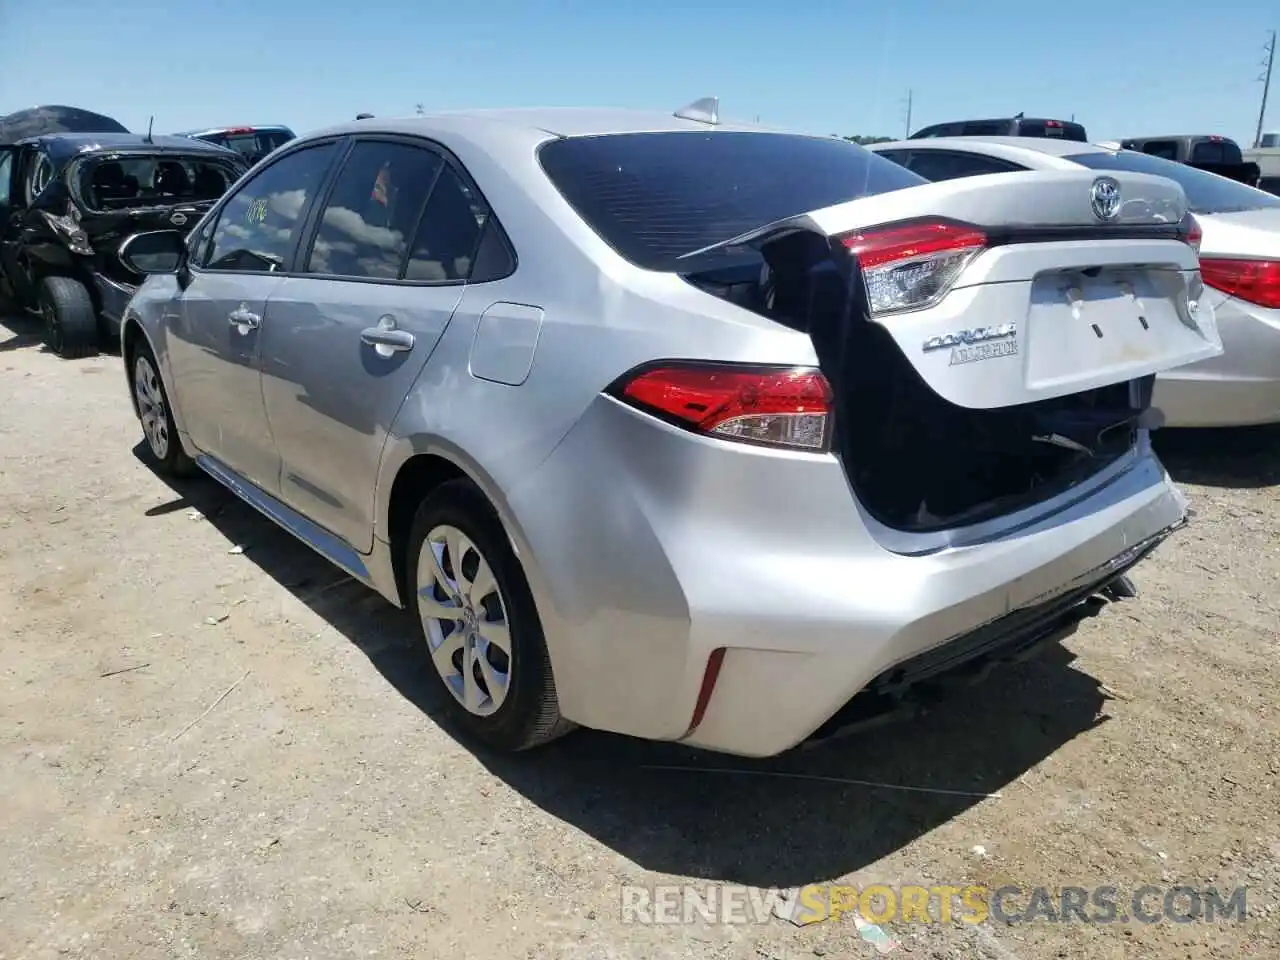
pixel 155 421
pixel 50 317
pixel 465 618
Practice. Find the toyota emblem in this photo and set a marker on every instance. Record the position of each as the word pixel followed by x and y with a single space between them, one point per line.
pixel 1105 198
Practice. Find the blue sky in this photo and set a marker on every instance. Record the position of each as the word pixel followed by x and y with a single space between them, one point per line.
pixel 825 66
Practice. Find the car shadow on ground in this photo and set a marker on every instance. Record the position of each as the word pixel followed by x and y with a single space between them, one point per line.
pixel 18 333
pixel 1240 457
pixel 27 332
pixel 780 822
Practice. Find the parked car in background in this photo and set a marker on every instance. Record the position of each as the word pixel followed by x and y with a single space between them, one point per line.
pixel 1216 154
pixel 1018 126
pixel 38 121
pixel 253 143
pixel 1239 261
pixel 654 421
pixel 1268 161
pixel 68 201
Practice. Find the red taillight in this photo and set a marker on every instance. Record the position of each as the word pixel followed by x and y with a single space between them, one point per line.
pixel 1254 281
pixel 236 130
pixel 1194 233
pixel 913 265
pixel 778 407
pixel 1053 123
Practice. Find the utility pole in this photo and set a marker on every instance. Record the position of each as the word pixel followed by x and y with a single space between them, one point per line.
pixel 1265 80
pixel 910 98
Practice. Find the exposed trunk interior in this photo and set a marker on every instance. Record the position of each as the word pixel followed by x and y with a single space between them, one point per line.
pixel 916 461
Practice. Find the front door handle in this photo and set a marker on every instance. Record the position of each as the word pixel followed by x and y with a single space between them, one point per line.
pixel 385 339
pixel 243 320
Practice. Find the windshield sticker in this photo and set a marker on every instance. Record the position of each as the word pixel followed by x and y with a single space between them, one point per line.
pixel 256 213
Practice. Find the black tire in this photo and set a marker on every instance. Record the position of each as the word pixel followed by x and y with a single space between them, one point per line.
pixel 161 433
pixel 70 321
pixel 529 716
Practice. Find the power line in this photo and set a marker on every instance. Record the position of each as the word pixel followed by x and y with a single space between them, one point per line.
pixel 1265 80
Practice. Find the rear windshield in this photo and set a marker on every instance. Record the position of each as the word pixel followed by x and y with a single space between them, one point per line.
pixel 1215 151
pixel 656 196
pixel 1206 192
pixel 120 182
pixel 252 145
pixel 1055 129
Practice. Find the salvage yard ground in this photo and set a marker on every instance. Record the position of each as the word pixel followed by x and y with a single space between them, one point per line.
pixel 319 810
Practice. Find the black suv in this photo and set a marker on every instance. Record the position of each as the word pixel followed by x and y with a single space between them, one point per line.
pixel 1018 126
pixel 68 201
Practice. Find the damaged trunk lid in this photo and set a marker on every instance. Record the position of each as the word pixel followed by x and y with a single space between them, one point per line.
pixel 1015 287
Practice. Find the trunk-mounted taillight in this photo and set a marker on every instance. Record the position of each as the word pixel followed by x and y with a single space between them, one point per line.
pixel 909 266
pixel 1193 233
pixel 1253 281
pixel 786 407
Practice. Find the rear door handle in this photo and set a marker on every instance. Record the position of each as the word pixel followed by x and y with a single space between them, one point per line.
pixel 243 320
pixel 385 339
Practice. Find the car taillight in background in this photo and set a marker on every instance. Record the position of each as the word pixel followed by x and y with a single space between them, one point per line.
pixel 1254 281
pixel 782 407
pixel 911 266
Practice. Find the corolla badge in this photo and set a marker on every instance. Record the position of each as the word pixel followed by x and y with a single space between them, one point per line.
pixel 964 338
pixel 1104 197
pixel 178 219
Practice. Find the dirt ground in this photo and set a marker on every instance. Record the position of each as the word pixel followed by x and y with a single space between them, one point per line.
pixel 319 809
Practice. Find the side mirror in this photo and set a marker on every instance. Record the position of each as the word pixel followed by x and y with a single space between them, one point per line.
pixel 157 251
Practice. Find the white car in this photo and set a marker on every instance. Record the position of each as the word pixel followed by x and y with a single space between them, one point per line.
pixel 1239 261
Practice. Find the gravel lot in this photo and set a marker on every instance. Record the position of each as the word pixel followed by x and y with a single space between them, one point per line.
pixel 319 810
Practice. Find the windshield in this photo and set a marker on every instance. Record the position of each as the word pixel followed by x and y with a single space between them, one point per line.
pixel 122 182
pixel 656 196
pixel 1206 192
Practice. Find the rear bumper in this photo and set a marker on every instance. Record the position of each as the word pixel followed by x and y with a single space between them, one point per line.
pixel 1239 388
pixel 648 549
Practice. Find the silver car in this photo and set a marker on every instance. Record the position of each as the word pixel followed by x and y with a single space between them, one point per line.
pixel 1239 261
pixel 674 428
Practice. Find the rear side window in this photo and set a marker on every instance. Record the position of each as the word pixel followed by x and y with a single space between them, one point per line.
pixel 1270 184
pixel 1166 149
pixel 1206 192
pixel 936 165
pixel 656 196
pixel 373 210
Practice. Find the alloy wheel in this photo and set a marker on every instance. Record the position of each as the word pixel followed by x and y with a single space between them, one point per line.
pixel 465 620
pixel 151 409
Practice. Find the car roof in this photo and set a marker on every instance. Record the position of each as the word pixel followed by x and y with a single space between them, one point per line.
pixel 1046 145
pixel 1026 150
pixel 255 127
pixel 71 144
pixel 535 123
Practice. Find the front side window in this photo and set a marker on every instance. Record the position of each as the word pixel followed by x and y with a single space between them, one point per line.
pixel 258 226
pixel 372 211
pixel 1167 149
pixel 40 177
pixel 6 176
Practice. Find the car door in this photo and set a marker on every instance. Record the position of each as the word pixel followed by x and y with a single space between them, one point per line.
pixel 214 330
pixel 8 223
pixel 390 252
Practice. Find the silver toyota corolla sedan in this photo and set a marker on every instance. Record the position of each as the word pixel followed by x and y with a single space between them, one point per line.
pixel 675 428
pixel 1239 262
